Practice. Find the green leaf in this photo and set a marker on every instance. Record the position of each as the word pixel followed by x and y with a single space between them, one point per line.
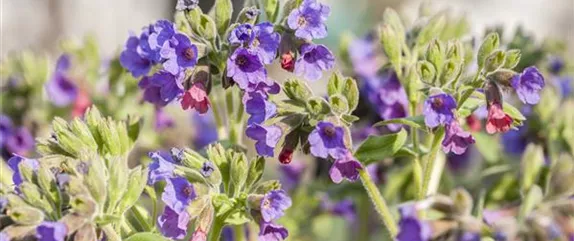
pixel 513 112
pixel 223 11
pixel 431 30
pixel 488 146
pixel 335 85
pixel 271 9
pixel 512 58
pixel 391 46
pixel 339 104
pixel 412 121
pixel 207 27
pixel 349 119
pixel 532 198
pixel 489 45
pixel 351 92
pixel 532 162
pixel 377 148
pixel 237 218
pixel 146 237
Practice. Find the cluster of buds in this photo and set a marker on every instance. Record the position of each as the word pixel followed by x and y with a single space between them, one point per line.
pixel 79 188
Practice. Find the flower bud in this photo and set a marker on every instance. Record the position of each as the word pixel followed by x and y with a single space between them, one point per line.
pixel 512 58
pixel 455 51
pixel 426 71
pixel 339 104
pixel 238 172
pixel 351 93
pixel 288 61
pixel 47 183
pixel 435 54
pixel 73 221
pixel 197 205
pixel 462 201
pixel 318 106
pixel 450 70
pixel 248 15
pixel 488 46
pixel 34 197
pixel 495 60
pixel 297 90
pixel 26 215
pixel 391 45
pixel 117 182
pixel 205 219
pixel 286 155
pixel 17 232
pixel 82 131
pixel 502 76
pixel 136 183
pixel 84 206
pixel 256 168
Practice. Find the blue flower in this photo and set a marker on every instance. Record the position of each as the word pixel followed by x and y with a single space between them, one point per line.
pixel 259 108
pixel 308 20
pixel 162 120
pixel 245 67
pixel 266 138
pixel 205 131
pixel 438 110
pixel 161 167
pixel 51 231
pixel 61 90
pixel 242 35
pixel 528 85
pixel 313 60
pixel 6 128
pixel 161 88
pixel 327 139
pixel 272 232
pixel 265 42
pixel 179 54
pixel 291 174
pixel 20 142
pixel 274 204
pixel 456 140
pixel 364 57
pixel 345 167
pixel 387 97
pixel 173 224
pixel 14 163
pixel 178 193
pixel 411 228
pixel 131 59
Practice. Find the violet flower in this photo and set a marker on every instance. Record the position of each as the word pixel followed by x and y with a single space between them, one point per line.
pixel 265 42
pixel 387 97
pixel 313 60
pixel 14 163
pixel 205 131
pixel 259 108
pixel 272 232
pixel 291 174
pixel 411 228
pixel 162 88
pixel 161 167
pixel 364 57
pixel 131 59
pixel 51 231
pixel 456 140
pixel 308 20
pixel 6 128
pixel 61 89
pixel 345 167
pixel 327 139
pixel 266 138
pixel 20 142
pixel 528 85
pixel 438 110
pixel 173 224
pixel 274 204
pixel 178 193
pixel 162 120
pixel 242 35
pixel 179 54
pixel 245 67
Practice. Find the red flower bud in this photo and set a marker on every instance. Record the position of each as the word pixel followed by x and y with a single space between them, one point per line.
pixel 497 121
pixel 473 123
pixel 196 97
pixel 287 61
pixel 286 156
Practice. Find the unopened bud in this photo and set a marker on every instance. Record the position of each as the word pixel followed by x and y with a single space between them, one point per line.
pixel 288 61
pixel 26 215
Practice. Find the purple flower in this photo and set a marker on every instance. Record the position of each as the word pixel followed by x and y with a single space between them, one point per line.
pixel 262 88
pixel 61 90
pixel 6 126
pixel 15 161
pixel 274 204
pixel 173 224
pixel 259 108
pixel 344 208
pixel 162 88
pixel 528 85
pixel 438 110
pixel 265 42
pixel 345 167
pixel 245 67
pixel 131 59
pixel 20 142
pixel 515 141
pixel 179 54
pixel 314 59
pixel 178 193
pixel 186 4
pixel 272 232
pixel 266 138
pixel 162 120
pixel 411 228
pixel 291 174
pixel 469 236
pixel 207 168
pixel 327 139
pixel 565 85
pixel 205 131
pixel 456 140
pixel 161 167
pixel 51 231
pixel 159 33
pixel 242 35
pixel 556 64
pixel 364 57
pixel 308 20
pixel 459 163
pixel 388 97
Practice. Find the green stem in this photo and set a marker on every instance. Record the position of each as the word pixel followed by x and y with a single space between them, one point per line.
pixel 364 214
pixel 430 164
pixel 216 230
pixel 111 234
pixel 417 168
pixel 379 203
pixel 221 130
pixel 239 233
pixel 140 218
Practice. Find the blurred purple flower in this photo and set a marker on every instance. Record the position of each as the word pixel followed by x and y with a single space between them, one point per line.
pixel 15 161
pixel 458 163
pixel 269 231
pixel 344 208
pixel 555 65
pixel 51 231
pixel 179 54
pixel 205 131
pixel 207 168
pixel 411 228
pixel 528 85
pixel 274 204
pixel 456 140
pixel 61 90
pixel 162 120
pixel 178 193
pixel 186 4
pixel 345 167
pixel 4 236
pixel 266 138
pixel 20 142
pixel 515 141
pixel 308 20
pixel 364 57
pixel 327 139
pixel 565 85
pixel 313 60
pixel 388 97
pixel 161 167
pixel 173 224
pixel 438 110
pixel 245 67
pixel 291 174
pixel 6 128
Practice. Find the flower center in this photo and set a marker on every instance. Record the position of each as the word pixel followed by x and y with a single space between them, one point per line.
pixel 437 102
pixel 188 191
pixel 255 43
pixel 189 54
pixel 266 203
pixel 329 131
pixel 301 21
pixel 241 60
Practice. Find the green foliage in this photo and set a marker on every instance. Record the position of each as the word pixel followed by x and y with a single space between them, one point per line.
pixel 377 148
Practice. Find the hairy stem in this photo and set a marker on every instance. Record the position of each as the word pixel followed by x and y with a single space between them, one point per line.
pixel 429 175
pixel 216 230
pixel 111 234
pixel 379 203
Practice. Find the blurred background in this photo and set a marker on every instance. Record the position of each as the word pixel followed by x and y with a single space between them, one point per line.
pixel 40 24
